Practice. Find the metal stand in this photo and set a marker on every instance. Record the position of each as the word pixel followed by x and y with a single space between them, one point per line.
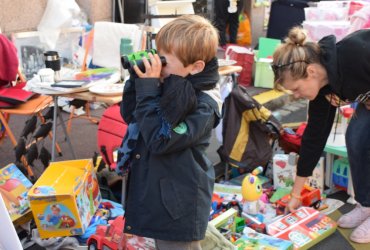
pixel 55 115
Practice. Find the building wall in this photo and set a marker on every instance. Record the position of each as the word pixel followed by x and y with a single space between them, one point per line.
pixel 25 15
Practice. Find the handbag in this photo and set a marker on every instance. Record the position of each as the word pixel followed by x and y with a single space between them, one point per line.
pixel 244 57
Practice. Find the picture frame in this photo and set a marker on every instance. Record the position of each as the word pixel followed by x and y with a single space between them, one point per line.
pixel 31 49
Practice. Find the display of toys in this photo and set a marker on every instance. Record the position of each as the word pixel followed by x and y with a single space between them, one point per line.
pixel 305 227
pixel 310 197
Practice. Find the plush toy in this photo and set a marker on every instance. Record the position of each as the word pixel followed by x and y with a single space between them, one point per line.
pixel 252 191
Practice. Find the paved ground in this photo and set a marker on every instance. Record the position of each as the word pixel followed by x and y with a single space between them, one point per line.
pixel 83 135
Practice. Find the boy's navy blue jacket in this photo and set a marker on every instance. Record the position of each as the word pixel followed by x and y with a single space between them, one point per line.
pixel 170 179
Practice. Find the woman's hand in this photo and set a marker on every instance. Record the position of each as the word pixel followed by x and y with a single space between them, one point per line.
pixel 295 195
pixel 293 204
pixel 152 68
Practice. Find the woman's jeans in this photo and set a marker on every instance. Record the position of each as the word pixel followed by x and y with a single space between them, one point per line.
pixel 358 148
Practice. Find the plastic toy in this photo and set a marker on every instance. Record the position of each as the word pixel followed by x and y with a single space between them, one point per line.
pixel 109 236
pixel 128 61
pixel 341 172
pixel 252 191
pixel 220 204
pixel 311 197
pixel 258 227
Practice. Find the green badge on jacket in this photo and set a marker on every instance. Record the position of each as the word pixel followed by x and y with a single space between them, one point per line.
pixel 181 128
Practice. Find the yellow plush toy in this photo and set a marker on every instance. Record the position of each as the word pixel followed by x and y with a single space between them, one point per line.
pixel 252 192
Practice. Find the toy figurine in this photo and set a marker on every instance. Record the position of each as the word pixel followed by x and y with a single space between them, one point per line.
pixel 252 191
pixel 310 197
pixel 109 236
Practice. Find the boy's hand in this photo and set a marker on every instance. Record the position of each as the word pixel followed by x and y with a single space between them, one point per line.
pixel 152 68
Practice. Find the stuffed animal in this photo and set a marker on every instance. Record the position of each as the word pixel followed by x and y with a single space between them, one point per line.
pixel 252 191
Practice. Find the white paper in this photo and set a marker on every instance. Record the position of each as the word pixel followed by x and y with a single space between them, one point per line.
pixel 107 39
pixel 8 240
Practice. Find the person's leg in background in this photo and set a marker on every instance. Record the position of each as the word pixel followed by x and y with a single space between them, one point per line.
pixel 233 22
pixel 358 148
pixel 221 19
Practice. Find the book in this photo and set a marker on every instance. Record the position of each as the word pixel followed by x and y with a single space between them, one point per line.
pixel 15 95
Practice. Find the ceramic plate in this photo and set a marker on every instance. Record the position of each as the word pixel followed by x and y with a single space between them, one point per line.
pixel 224 62
pixel 107 89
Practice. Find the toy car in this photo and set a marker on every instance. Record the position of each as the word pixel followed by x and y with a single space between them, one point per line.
pixel 311 197
pixel 109 236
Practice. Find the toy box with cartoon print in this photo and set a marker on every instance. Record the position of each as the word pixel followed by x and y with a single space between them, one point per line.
pixel 283 168
pixel 14 187
pixel 305 227
pixel 64 198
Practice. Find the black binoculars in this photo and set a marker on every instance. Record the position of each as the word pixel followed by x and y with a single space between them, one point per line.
pixel 128 61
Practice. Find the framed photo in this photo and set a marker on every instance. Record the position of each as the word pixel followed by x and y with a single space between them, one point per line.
pixel 31 49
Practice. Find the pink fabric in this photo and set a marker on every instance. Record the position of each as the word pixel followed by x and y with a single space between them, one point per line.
pixel 8 61
pixel 360 19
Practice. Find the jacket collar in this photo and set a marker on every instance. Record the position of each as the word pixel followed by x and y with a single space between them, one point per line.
pixel 206 79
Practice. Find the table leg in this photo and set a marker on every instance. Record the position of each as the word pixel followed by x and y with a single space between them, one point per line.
pixel 329 161
pixel 55 115
pixel 55 99
pixel 66 135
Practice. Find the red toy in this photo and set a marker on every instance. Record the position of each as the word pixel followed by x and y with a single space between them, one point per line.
pixel 112 128
pixel 311 197
pixel 109 236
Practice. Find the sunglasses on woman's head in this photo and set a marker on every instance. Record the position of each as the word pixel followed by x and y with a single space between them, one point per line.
pixel 276 67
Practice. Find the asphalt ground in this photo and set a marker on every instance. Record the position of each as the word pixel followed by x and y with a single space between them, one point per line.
pixel 83 133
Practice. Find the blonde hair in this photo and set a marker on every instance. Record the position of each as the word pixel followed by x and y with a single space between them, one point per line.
pixel 190 38
pixel 294 55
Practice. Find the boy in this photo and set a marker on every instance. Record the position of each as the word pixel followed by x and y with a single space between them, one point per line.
pixel 171 113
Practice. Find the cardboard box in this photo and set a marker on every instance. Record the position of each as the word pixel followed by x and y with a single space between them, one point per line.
pixel 254 240
pixel 263 74
pixel 14 187
pixel 64 198
pixel 305 227
pixel 316 180
pixel 226 220
pixel 283 170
